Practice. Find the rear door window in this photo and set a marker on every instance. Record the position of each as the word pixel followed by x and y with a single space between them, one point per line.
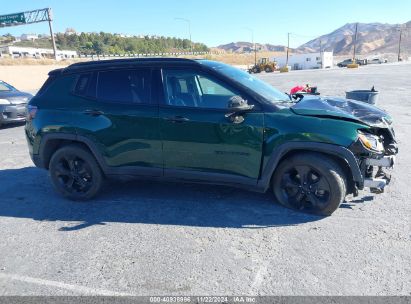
pixel 124 86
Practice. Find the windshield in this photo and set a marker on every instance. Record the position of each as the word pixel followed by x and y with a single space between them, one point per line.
pixel 262 88
pixel 5 87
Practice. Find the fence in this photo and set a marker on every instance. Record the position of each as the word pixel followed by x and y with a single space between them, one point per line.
pixel 104 56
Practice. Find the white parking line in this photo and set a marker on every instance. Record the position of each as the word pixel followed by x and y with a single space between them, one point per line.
pixel 76 288
pixel 259 278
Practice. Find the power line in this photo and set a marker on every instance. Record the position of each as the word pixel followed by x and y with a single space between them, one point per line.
pixel 304 36
pixel 402 29
pixel 188 21
pixel 253 42
pixel 288 48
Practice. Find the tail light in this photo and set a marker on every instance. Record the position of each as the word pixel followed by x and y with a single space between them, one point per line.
pixel 31 112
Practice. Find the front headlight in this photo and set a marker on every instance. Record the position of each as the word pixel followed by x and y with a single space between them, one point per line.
pixel 4 102
pixel 370 141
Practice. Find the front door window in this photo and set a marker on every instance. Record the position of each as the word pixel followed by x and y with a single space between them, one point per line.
pixel 194 89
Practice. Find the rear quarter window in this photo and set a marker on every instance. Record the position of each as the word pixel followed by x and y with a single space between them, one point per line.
pixel 46 84
pixel 85 85
pixel 58 91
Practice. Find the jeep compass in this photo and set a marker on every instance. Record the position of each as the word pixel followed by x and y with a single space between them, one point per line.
pixel 204 121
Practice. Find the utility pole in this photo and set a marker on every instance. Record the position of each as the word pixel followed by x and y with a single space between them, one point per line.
pixel 399 45
pixel 355 41
pixel 255 54
pixel 321 53
pixel 253 43
pixel 189 31
pixel 288 48
pixel 51 32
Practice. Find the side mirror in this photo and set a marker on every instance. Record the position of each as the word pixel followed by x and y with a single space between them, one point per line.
pixel 236 107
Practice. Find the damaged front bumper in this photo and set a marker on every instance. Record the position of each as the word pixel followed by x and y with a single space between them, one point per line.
pixel 377 182
pixel 374 160
pixel 386 161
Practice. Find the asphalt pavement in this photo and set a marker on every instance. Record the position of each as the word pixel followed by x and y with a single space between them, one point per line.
pixel 156 238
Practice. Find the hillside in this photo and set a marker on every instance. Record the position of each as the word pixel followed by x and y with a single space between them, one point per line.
pixel 372 38
pixel 245 47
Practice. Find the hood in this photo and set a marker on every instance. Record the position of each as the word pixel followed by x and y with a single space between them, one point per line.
pixel 16 97
pixel 341 108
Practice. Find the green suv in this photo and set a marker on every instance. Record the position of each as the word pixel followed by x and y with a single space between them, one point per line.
pixel 204 121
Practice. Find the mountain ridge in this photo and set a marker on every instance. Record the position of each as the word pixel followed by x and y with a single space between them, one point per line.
pixel 372 38
pixel 246 47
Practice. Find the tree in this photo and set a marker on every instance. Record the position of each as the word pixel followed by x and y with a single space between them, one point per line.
pixel 107 43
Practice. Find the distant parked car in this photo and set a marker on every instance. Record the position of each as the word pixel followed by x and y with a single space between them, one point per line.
pixel 12 104
pixel 346 62
pixel 376 61
pixel 361 61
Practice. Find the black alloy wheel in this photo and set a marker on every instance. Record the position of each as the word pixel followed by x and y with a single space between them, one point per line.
pixel 75 173
pixel 311 183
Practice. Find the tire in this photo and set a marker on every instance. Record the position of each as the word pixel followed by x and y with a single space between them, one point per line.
pixel 256 70
pixel 75 173
pixel 268 70
pixel 310 182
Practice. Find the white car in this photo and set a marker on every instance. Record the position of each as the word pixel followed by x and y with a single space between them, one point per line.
pixel 376 61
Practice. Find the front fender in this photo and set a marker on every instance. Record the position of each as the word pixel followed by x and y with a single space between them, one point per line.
pixel 337 151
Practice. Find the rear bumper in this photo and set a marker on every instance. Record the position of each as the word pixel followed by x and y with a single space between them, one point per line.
pixel 12 113
pixel 36 159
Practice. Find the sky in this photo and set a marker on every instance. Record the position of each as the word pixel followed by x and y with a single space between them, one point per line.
pixel 213 22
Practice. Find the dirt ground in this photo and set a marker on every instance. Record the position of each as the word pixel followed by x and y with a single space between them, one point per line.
pixel 26 77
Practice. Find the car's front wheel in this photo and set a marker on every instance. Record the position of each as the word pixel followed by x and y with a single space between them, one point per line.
pixel 310 182
pixel 75 173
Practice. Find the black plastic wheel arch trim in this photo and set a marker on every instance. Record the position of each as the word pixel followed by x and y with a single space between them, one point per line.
pixel 334 150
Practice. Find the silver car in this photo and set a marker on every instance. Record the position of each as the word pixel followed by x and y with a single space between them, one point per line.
pixel 12 104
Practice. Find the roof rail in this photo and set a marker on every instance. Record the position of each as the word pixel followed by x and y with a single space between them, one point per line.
pixel 86 64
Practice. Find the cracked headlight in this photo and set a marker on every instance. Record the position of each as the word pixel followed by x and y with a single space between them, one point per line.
pixel 371 142
pixel 4 102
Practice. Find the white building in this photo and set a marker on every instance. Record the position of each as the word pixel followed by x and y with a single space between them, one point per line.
pixel 306 61
pixel 28 37
pixel 16 52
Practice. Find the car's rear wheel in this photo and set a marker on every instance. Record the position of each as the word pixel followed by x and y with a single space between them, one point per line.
pixel 75 173
pixel 311 183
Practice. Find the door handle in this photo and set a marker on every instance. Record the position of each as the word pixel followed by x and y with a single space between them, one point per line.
pixel 178 119
pixel 93 112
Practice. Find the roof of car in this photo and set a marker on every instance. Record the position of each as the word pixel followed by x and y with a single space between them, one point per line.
pixel 91 65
